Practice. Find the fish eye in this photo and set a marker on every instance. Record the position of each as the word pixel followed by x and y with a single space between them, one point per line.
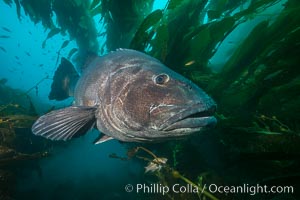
pixel 161 79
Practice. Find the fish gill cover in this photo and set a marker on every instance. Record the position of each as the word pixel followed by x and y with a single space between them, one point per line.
pixel 245 54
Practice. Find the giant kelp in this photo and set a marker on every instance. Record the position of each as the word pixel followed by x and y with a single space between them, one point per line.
pixel 72 17
pixel 38 11
pixel 122 18
pixel 75 17
pixel 266 61
pixel 17 151
pixel 17 114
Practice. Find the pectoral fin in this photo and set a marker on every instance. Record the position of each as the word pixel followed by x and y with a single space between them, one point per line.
pixel 65 124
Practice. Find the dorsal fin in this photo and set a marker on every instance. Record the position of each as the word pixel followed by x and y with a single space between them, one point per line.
pixel 64 81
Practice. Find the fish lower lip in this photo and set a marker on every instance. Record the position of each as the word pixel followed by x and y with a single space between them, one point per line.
pixel 193 123
pixel 193 118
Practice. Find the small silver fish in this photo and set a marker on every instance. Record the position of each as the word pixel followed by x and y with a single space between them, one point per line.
pixel 3 49
pixel 6 29
pixel 4 36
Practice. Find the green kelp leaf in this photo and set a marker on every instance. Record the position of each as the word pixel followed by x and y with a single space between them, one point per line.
pixel 72 51
pixel 151 20
pixel 78 3
pixel 141 36
pixel 203 40
pixel 174 3
pixel 8 2
pixel 94 4
pixel 285 97
pixel 216 8
pixel 18 7
pixel 53 32
pixel 246 51
pixel 273 75
pixel 84 22
pixel 243 56
pixel 219 29
pixel 102 34
pixel 213 14
pixel 199 43
pixel 160 42
pixel 253 8
pixel 96 11
pixel 39 11
pixel 65 44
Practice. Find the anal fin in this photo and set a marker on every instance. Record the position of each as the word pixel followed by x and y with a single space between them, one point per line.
pixel 65 124
pixel 102 138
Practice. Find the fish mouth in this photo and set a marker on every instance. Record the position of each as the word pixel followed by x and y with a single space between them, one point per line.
pixel 192 119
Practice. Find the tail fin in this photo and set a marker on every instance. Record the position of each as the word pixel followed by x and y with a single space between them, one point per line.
pixel 64 81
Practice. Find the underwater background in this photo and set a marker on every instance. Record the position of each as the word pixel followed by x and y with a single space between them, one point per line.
pixel 243 53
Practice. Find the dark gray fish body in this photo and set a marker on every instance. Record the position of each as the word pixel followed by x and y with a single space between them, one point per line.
pixel 132 97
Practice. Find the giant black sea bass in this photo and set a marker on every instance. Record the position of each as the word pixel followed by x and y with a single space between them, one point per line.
pixel 129 96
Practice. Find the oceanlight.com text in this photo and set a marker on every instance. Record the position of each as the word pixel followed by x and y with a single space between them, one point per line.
pixel 157 188
pixel 249 189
